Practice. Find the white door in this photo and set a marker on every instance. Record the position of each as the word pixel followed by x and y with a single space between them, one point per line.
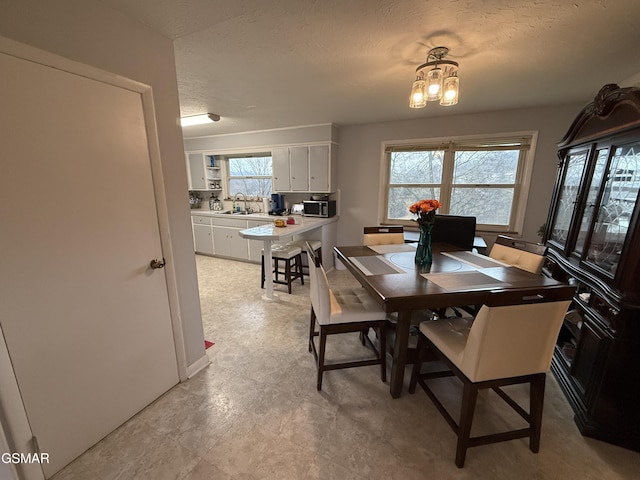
pixel 86 320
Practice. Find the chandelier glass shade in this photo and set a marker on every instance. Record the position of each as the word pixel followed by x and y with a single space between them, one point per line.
pixel 436 80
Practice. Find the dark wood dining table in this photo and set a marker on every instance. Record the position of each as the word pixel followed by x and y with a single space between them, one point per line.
pixel 455 278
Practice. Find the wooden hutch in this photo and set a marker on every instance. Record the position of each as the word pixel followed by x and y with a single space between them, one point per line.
pixel 593 239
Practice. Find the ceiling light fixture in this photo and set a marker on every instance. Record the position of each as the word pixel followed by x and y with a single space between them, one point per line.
pixel 440 82
pixel 199 119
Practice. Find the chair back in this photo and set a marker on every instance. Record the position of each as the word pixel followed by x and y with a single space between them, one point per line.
pixel 515 334
pixel 383 235
pixel 524 255
pixel 455 230
pixel 319 288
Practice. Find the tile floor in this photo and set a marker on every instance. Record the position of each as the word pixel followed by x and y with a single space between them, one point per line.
pixel 254 413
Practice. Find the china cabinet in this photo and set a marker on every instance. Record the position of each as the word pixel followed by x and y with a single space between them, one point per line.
pixel 593 239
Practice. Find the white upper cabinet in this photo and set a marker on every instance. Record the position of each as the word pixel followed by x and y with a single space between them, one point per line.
pixel 303 169
pixel 280 165
pixel 299 169
pixel 204 172
pixel 319 168
pixel 197 171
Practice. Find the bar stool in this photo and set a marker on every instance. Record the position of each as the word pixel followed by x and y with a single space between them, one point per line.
pixel 292 258
pixel 316 245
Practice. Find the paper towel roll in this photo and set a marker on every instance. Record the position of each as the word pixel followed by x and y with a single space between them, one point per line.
pixel 265 205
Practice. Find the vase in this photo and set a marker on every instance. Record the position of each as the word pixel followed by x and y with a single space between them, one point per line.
pixel 424 254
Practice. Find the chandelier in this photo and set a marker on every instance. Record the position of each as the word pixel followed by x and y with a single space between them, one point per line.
pixel 436 79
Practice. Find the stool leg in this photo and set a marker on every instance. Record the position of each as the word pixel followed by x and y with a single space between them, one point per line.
pixel 300 272
pixel 262 270
pixel 287 273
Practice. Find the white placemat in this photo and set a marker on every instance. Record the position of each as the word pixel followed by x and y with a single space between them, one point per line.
pixel 464 281
pixel 394 248
pixel 475 259
pixel 375 265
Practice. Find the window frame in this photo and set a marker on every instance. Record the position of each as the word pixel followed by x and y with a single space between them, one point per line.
pixel 525 142
pixel 227 173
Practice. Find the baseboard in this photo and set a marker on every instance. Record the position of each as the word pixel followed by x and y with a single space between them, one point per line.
pixel 198 365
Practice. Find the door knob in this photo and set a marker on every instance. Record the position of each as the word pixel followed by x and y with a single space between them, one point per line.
pixel 155 263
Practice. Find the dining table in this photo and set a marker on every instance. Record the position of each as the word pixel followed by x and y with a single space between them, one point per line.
pixel 454 278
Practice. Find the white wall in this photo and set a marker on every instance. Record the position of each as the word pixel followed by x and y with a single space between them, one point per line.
pixel 360 156
pixel 90 32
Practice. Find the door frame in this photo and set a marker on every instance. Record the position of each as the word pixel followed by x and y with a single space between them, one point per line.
pixel 14 424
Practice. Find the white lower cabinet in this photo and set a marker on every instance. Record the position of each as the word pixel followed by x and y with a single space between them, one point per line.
pixel 221 237
pixel 203 239
pixel 229 243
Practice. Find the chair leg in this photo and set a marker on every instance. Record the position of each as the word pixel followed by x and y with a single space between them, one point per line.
pixel 323 343
pixel 383 352
pixel 262 270
pixel 469 397
pixel 536 404
pixel 312 328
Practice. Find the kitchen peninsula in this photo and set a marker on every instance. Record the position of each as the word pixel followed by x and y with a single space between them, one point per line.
pixel 323 229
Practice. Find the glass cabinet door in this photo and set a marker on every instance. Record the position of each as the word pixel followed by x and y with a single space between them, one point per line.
pixel 619 196
pixel 567 198
pixel 593 189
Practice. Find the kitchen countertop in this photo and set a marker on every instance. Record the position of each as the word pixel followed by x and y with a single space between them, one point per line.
pixel 222 214
pixel 270 232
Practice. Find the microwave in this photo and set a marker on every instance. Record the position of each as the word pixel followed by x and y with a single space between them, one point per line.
pixel 319 208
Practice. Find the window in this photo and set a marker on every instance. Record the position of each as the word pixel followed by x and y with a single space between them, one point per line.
pixel 485 178
pixel 251 175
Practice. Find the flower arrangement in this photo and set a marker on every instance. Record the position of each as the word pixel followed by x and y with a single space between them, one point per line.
pixel 426 211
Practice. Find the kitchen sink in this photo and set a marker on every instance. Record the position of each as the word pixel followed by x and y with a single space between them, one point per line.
pixel 234 213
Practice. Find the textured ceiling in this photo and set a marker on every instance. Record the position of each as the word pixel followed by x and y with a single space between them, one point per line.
pixel 264 64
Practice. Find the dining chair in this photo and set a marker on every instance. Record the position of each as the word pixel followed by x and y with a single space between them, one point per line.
pixel 342 311
pixel 455 230
pixel 510 342
pixel 383 235
pixel 518 253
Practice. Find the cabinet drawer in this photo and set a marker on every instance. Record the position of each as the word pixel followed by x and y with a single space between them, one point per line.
pixel 230 222
pixel 200 220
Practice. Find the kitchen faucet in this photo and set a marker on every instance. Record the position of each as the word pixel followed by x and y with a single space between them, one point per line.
pixel 244 197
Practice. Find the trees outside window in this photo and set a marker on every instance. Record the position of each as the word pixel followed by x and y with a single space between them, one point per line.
pixel 481 178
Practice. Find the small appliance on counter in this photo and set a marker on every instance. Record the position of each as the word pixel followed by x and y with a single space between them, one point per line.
pixel 277 204
pixel 297 209
pixel 319 208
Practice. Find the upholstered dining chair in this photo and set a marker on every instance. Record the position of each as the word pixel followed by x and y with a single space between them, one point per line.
pixel 455 230
pixel 510 341
pixel 342 311
pixel 383 235
pixel 518 253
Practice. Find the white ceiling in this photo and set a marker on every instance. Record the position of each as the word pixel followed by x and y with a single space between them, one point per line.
pixel 264 64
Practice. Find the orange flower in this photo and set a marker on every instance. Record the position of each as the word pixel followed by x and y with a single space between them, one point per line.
pixel 426 210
